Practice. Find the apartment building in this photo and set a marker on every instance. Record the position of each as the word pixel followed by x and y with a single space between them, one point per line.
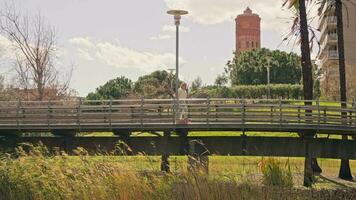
pixel 328 57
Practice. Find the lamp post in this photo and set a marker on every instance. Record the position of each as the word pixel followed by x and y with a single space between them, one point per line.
pixel 177 16
pixel 171 70
pixel 268 77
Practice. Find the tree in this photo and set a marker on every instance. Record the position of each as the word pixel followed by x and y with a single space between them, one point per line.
pixel 301 28
pixel 345 171
pixel 34 42
pixel 158 84
pixel 221 80
pixel 3 95
pixel 250 68
pixel 117 88
pixel 197 83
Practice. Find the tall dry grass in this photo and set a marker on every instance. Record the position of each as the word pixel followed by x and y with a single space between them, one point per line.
pixel 34 173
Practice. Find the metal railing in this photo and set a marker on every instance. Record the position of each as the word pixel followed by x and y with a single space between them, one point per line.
pixel 159 114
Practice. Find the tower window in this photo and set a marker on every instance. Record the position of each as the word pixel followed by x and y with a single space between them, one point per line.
pixel 247 44
pixel 252 44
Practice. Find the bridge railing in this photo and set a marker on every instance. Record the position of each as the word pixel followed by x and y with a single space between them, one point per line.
pixel 81 114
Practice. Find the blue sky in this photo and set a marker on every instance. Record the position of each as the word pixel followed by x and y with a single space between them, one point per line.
pixel 110 38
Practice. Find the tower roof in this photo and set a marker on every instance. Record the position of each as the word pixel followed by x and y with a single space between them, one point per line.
pixel 248 11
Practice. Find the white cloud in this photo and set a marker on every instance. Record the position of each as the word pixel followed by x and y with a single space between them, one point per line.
pixel 172 29
pixel 122 57
pixel 161 37
pixel 213 12
pixel 167 32
pixel 84 42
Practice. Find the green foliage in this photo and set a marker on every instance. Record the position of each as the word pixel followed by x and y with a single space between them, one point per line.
pixel 275 174
pixel 158 84
pixel 285 91
pixel 221 80
pixel 196 84
pixel 114 89
pixel 250 68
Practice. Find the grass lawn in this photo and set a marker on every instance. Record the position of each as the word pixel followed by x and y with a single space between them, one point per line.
pixel 244 166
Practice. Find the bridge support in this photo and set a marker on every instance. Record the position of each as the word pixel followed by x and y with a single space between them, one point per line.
pixel 308 161
pixel 165 155
pixel 9 142
pixel 68 136
pixel 122 132
pixel 345 170
pixel 198 159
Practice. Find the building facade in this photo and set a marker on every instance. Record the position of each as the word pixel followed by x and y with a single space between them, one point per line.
pixel 248 31
pixel 328 57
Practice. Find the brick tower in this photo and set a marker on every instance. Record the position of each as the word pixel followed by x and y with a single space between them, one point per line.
pixel 248 31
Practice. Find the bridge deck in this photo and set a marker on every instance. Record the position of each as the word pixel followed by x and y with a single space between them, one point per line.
pixel 164 114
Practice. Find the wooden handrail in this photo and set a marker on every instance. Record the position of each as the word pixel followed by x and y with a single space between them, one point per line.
pixel 113 114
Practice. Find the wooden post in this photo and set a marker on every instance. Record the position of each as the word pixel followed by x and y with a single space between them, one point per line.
pixel 173 111
pixel 353 116
pixel 69 144
pixel 280 114
pixel 18 107
pixel 207 110
pixel 49 115
pixel 198 160
pixel 318 105
pixel 79 114
pixel 243 114
pixel 141 112
pixel 271 115
pixel 165 166
pixel 299 115
pixel 110 114
pixel 354 111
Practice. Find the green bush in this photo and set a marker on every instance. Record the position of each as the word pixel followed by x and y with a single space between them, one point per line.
pixel 284 91
pixel 275 174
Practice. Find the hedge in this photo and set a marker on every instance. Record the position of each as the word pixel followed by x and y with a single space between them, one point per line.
pixel 284 91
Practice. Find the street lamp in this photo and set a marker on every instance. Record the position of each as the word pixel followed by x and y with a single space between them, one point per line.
pixel 177 16
pixel 268 76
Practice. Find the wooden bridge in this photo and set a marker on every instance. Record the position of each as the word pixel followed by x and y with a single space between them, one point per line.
pixel 162 115
pixel 66 118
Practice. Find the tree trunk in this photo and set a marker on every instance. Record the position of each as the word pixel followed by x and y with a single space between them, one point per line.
pixel 345 171
pixel 307 80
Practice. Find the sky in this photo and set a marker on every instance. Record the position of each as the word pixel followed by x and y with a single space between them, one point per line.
pixel 105 39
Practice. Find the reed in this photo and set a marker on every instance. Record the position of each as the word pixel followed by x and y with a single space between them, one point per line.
pixel 33 172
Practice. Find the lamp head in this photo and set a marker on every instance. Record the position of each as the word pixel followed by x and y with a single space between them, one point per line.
pixel 177 15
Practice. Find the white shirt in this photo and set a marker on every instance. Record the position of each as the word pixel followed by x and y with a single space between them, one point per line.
pixel 182 94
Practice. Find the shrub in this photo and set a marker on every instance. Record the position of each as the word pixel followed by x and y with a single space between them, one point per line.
pixel 284 91
pixel 275 174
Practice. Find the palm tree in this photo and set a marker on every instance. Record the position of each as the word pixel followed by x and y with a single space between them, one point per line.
pixel 307 73
pixel 345 171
